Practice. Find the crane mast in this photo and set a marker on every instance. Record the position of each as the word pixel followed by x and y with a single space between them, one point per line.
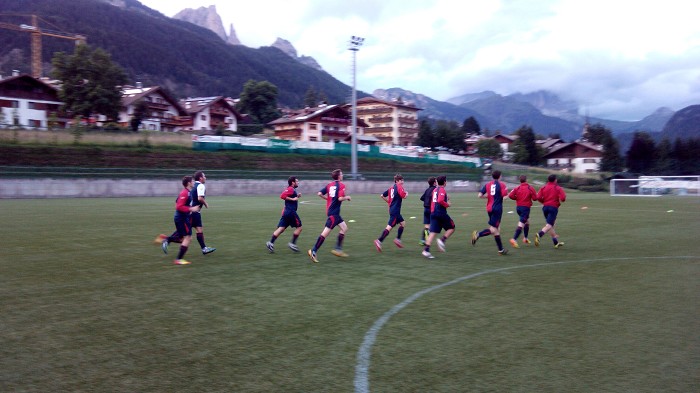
pixel 36 36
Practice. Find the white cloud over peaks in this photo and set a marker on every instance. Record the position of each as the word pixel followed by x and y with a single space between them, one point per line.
pixel 622 59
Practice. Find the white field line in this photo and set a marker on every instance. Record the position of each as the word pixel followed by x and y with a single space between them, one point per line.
pixel 364 353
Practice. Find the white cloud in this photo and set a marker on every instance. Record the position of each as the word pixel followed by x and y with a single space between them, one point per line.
pixel 619 58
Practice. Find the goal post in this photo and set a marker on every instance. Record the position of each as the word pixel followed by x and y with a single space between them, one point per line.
pixel 655 186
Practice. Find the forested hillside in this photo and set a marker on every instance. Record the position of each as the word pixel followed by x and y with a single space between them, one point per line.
pixel 186 59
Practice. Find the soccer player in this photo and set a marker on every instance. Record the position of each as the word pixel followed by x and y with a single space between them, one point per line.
pixel 493 192
pixel 523 195
pixel 198 194
pixel 427 197
pixel 393 196
pixel 439 219
pixel 291 197
pixel 334 194
pixel 183 228
pixel 551 195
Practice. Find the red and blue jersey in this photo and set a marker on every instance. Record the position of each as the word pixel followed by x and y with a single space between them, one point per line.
pixel 333 191
pixel 182 204
pixel 439 201
pixel 289 206
pixel 394 196
pixel 523 195
pixel 494 190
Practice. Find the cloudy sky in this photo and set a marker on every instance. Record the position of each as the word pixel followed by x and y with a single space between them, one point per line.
pixel 619 59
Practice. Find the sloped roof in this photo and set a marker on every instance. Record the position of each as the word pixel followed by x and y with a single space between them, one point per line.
pixel 385 102
pixel 132 94
pixel 197 104
pixel 26 78
pixel 306 114
pixel 566 146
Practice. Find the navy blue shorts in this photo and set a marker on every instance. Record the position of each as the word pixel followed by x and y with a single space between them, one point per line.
pixel 183 226
pixel 426 216
pixel 495 217
pixel 395 220
pixel 438 223
pixel 333 221
pixel 290 220
pixel 523 213
pixel 550 214
pixel 196 220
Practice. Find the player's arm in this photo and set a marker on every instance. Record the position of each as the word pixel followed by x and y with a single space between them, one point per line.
pixel 203 201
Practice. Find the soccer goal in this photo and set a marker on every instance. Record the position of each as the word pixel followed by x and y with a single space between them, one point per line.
pixel 655 186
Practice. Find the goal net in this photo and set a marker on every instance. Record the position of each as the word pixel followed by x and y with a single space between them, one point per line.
pixel 656 186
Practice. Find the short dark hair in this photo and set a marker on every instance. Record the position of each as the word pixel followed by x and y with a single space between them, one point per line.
pixel 291 180
pixel 441 180
pixel 186 180
pixel 496 174
pixel 523 178
pixel 398 177
pixel 198 175
pixel 552 178
pixel 335 175
pixel 431 181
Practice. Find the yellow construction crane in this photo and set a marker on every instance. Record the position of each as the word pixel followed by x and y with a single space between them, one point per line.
pixel 36 33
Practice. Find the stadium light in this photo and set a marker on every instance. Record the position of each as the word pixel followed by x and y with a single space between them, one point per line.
pixel 355 44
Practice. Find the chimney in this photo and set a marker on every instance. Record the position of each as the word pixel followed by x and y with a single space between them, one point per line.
pixel 15 72
pixel 139 85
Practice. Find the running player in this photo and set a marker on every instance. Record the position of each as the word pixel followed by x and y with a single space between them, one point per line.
pixel 289 215
pixel 198 194
pixel 493 192
pixel 439 219
pixel 523 195
pixel 334 194
pixel 393 196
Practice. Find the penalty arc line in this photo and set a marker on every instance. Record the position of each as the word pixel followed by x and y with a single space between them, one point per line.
pixel 364 353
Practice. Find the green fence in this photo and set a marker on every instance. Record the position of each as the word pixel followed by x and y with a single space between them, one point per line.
pixel 218 143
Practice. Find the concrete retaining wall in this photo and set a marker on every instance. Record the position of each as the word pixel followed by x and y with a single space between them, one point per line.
pixel 120 188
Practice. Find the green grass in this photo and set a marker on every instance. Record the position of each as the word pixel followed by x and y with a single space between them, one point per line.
pixel 88 303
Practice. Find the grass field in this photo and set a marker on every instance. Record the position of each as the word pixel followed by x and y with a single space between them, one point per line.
pixel 88 303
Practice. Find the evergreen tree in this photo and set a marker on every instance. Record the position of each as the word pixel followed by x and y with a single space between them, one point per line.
pixel 426 136
pixel 449 136
pixel 489 148
pixel 471 127
pixel 612 160
pixel 600 135
pixel 641 154
pixel 259 101
pixel 525 147
pixel 665 163
pixel 90 82
pixel 311 98
pixel 140 113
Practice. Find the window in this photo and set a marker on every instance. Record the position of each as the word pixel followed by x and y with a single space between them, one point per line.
pixel 589 160
pixel 34 123
pixel 203 117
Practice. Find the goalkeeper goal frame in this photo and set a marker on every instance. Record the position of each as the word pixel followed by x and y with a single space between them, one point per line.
pixel 655 186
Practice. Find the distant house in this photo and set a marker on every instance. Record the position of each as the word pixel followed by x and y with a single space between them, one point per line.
pixel 577 157
pixel 28 102
pixel 209 113
pixel 324 123
pixel 164 112
pixel 506 142
pixel 393 123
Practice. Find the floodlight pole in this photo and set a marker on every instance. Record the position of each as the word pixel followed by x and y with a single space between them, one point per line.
pixel 355 43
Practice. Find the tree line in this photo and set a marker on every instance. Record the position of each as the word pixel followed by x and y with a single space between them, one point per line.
pixel 91 86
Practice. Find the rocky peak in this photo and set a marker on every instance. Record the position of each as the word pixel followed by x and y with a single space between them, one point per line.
pixel 287 47
pixel 206 17
pixel 232 38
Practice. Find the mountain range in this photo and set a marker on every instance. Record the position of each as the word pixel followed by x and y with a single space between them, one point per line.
pixel 192 55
